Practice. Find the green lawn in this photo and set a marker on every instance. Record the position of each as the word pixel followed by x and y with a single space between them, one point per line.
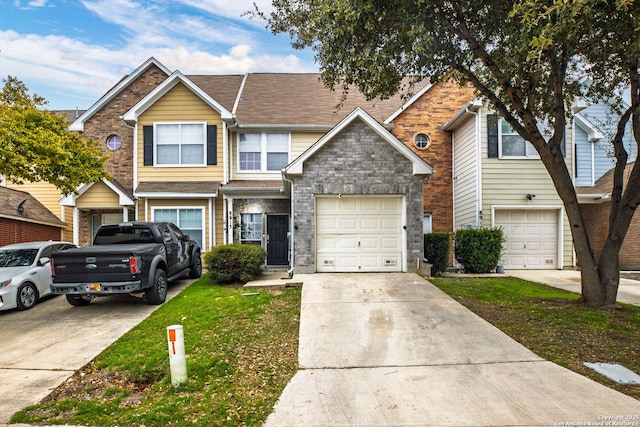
pixel 553 325
pixel 241 352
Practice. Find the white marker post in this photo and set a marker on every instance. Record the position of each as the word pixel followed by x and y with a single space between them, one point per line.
pixel 177 361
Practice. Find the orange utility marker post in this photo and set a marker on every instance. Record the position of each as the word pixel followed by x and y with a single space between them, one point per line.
pixel 177 361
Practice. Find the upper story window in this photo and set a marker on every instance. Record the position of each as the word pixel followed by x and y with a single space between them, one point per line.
pixel 422 141
pixel 261 152
pixel 114 142
pixel 180 143
pixel 513 145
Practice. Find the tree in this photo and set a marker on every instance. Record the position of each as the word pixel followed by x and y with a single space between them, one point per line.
pixel 36 144
pixel 529 59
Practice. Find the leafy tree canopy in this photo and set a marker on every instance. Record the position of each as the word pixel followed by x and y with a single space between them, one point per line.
pixel 36 144
pixel 532 60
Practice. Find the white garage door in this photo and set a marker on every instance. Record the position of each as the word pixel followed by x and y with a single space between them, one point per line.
pixel 531 238
pixel 359 233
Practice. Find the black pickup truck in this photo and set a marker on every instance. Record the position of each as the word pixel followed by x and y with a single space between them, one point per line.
pixel 131 257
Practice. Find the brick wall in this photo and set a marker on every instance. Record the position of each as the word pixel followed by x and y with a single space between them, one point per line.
pixel 356 162
pixel 12 231
pixel 597 224
pixel 107 122
pixel 427 115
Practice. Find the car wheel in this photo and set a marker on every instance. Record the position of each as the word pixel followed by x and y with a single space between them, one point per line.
pixel 27 296
pixel 78 300
pixel 157 293
pixel 196 266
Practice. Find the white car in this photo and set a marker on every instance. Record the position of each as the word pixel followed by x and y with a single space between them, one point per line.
pixel 25 274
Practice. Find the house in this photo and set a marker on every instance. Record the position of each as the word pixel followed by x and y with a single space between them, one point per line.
pixel 499 181
pixel 24 219
pixel 208 153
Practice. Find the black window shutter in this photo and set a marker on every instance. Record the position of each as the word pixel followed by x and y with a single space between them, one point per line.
pixel 492 135
pixel 212 144
pixel 147 135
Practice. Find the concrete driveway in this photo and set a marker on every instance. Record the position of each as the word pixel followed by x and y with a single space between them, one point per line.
pixel 391 350
pixel 44 346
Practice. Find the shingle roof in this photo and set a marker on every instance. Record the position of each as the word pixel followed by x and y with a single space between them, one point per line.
pixel 604 185
pixel 190 187
pixel 223 89
pixel 240 185
pixel 22 206
pixel 302 99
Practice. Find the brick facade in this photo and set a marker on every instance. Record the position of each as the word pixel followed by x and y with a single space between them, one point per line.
pixel 12 231
pixel 106 122
pixel 427 115
pixel 356 162
pixel 597 225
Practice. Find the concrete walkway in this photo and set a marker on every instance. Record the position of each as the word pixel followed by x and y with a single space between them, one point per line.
pixel 393 350
pixel 628 290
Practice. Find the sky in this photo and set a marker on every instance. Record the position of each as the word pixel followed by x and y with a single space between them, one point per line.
pixel 72 51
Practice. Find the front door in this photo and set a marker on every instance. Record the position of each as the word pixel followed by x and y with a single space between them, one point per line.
pixel 277 240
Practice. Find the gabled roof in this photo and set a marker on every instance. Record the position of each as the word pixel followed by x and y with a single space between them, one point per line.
pixel 124 198
pixel 465 112
pixel 175 78
pixel 409 103
pixel 22 206
pixel 78 124
pixel 420 167
pixel 593 133
pixel 301 101
pixel 222 88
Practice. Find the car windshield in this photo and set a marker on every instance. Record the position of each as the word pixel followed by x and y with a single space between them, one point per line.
pixel 17 257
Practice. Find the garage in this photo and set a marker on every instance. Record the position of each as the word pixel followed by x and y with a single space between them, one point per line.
pixel 359 233
pixel 531 238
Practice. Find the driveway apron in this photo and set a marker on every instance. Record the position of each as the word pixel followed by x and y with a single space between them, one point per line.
pixel 390 349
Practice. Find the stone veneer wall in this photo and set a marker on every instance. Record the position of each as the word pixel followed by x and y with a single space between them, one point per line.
pixel 257 206
pixel 356 162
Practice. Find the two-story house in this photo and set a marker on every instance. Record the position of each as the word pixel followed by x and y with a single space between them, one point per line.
pixel 271 159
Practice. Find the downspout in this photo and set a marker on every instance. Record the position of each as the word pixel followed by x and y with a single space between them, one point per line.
pixel 135 162
pixel 291 226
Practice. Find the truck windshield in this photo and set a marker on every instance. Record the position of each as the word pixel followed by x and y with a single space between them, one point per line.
pixel 114 235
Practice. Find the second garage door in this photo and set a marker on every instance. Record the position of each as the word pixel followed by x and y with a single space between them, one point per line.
pixel 358 234
pixel 531 238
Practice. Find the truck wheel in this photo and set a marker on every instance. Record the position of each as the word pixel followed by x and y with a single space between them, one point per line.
pixel 27 296
pixel 157 293
pixel 196 266
pixel 78 300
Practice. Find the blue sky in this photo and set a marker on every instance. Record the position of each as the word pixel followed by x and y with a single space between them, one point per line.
pixel 73 51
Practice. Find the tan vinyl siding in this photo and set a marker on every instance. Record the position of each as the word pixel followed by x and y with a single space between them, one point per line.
pixel 45 193
pixel 506 182
pixel 180 105
pixel 98 196
pixel 465 183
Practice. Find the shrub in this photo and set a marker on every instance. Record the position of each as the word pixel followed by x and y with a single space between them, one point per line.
pixel 478 250
pixel 436 251
pixel 234 263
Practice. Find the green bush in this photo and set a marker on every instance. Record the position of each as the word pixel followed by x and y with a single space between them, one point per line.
pixel 478 250
pixel 436 251
pixel 236 263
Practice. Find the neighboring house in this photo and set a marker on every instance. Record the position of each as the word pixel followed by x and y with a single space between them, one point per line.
pixel 25 219
pixel 499 181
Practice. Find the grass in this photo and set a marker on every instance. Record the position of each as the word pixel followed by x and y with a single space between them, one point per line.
pixel 241 352
pixel 551 323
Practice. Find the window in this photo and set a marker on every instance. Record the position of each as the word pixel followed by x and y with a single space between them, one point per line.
pixel 426 224
pixel 422 141
pixel 263 151
pixel 513 145
pixel 180 143
pixel 251 228
pixel 114 142
pixel 189 220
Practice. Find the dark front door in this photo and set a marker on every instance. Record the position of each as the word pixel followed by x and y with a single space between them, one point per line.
pixel 277 240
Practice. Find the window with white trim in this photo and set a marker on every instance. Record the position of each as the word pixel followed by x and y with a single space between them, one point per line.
pixel 180 143
pixel 251 228
pixel 512 145
pixel 426 224
pixel 261 152
pixel 189 220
